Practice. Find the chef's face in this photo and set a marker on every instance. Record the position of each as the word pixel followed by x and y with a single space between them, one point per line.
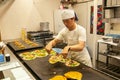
pixel 69 23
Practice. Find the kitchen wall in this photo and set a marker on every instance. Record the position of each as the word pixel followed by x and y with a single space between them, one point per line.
pixel 17 14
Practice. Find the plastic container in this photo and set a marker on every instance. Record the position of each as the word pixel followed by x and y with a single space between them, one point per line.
pixel 1 58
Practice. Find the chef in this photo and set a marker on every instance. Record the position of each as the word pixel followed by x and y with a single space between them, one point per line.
pixel 75 37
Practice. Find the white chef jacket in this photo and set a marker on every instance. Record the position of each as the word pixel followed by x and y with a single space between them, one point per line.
pixel 72 38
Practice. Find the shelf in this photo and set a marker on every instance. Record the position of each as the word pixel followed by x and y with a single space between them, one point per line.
pixel 84 1
pixel 112 56
pixel 111 43
pixel 113 10
pixel 112 7
pixel 69 2
pixel 75 2
pixel 112 70
pixel 116 57
pixel 109 52
pixel 111 20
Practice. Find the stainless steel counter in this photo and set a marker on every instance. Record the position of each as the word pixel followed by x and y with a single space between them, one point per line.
pixel 14 69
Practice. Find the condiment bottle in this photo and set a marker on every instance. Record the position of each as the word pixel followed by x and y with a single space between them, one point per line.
pixel 23 34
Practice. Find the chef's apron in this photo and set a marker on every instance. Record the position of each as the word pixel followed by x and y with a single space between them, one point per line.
pixel 80 56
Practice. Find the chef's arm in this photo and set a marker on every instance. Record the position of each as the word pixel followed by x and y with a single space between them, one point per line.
pixel 52 44
pixel 77 47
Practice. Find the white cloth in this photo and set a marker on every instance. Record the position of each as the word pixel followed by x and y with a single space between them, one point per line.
pixel 2 45
pixel 67 13
pixel 72 38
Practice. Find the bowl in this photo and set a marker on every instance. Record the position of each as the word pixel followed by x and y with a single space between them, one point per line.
pixel 107 38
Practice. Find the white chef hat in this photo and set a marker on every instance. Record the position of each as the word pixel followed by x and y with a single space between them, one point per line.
pixel 67 13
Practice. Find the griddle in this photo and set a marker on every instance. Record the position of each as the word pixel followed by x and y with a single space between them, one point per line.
pixel 44 70
pixel 14 48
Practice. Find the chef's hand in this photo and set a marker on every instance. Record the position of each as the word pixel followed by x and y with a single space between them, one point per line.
pixel 65 51
pixel 48 48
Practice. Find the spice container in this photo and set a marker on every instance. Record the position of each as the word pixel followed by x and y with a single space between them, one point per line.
pixel 7 57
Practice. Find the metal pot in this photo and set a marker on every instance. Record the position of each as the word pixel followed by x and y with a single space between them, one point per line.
pixel 44 26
